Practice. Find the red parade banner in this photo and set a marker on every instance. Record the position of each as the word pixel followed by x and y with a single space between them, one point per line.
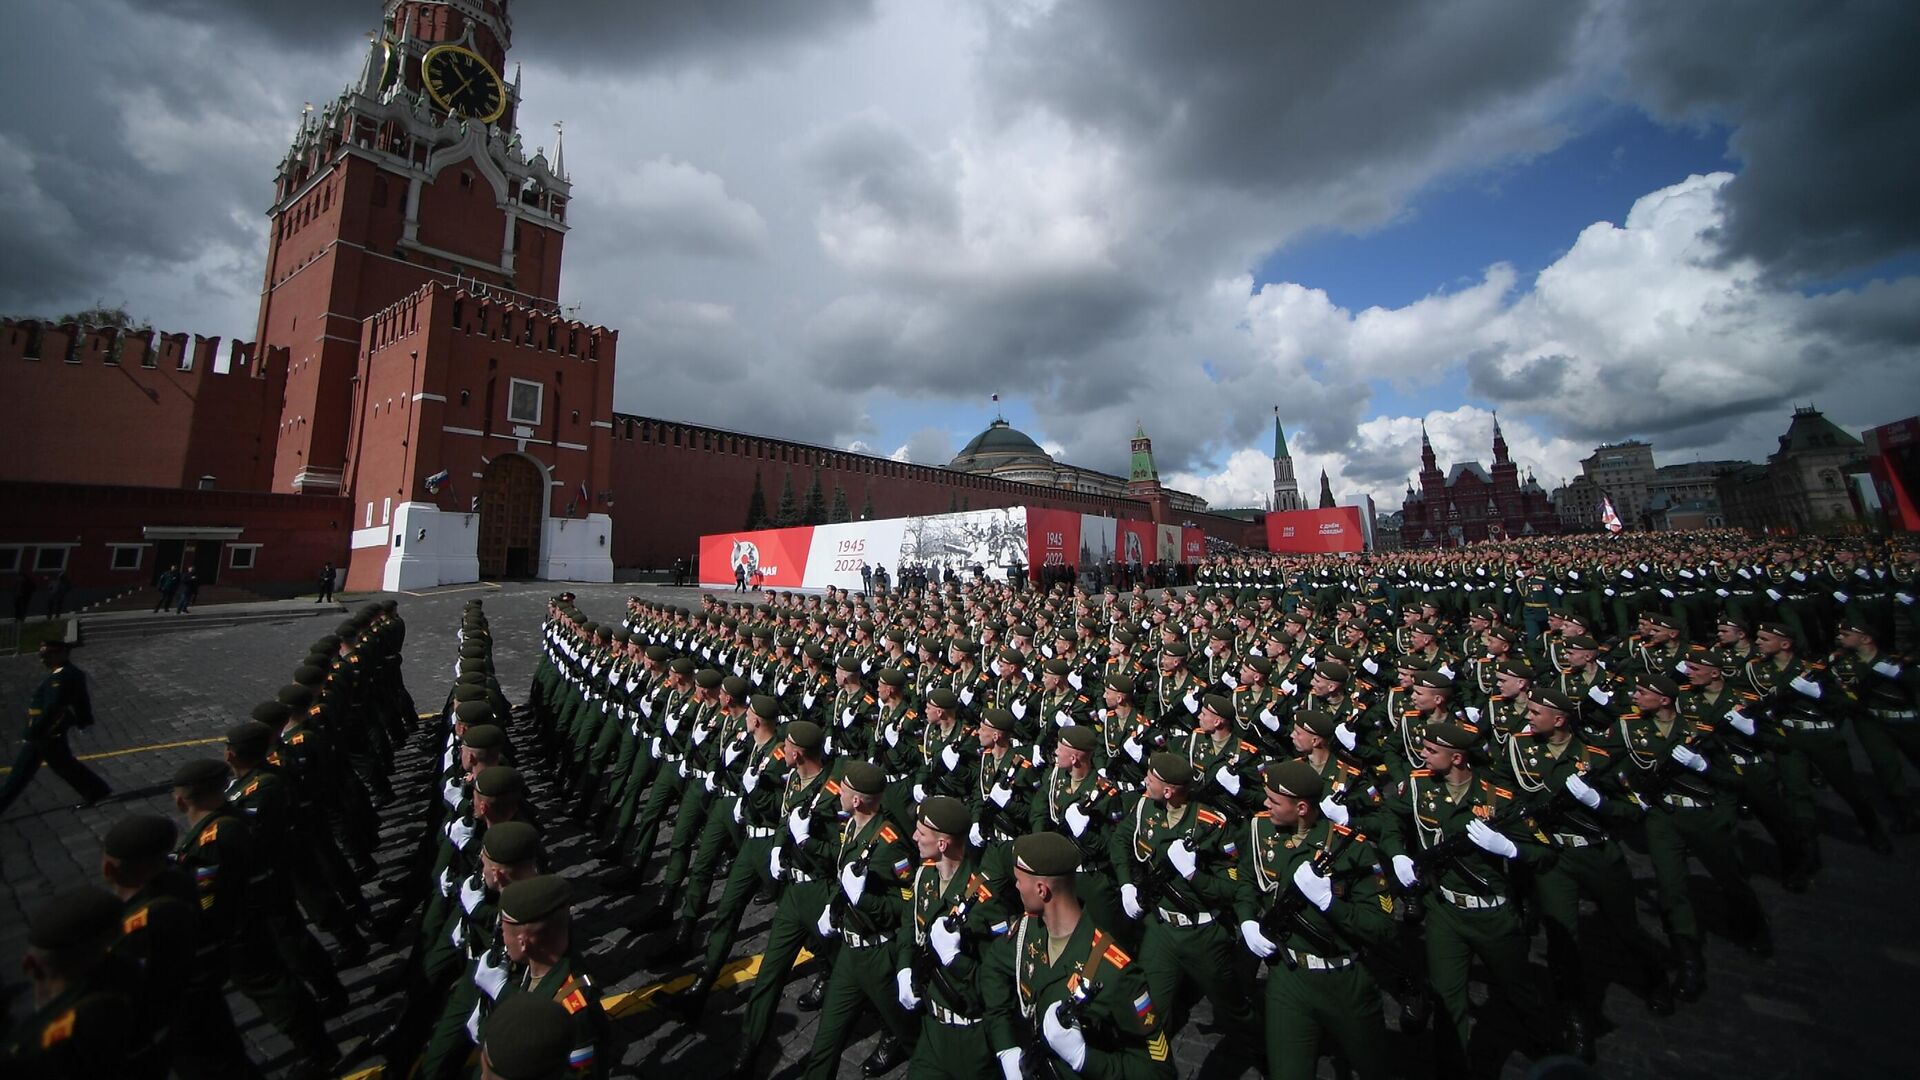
pixel 1307 531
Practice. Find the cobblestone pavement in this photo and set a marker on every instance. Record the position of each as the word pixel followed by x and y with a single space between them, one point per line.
pixel 1832 1000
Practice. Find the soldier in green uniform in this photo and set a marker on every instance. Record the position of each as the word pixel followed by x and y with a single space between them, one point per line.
pixel 531 1039
pixel 1174 859
pixel 192 1025
pixel 1061 988
pixel 1465 830
pixel 1308 899
pixel 951 920
pixel 1882 695
pixel 88 1019
pixel 60 704
pixel 872 866
pixel 1080 804
pixel 998 795
pixel 536 931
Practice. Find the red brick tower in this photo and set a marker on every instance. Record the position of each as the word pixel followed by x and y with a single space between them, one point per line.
pixel 414 175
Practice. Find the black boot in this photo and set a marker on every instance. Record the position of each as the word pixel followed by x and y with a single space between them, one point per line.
pixel 815 996
pixel 678 946
pixel 687 1004
pixel 1690 981
pixel 885 1058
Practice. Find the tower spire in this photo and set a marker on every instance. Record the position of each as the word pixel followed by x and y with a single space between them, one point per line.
pixel 559 155
pixel 1326 492
pixel 1286 490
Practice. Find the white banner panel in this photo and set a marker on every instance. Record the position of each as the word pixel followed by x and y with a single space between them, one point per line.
pixel 838 551
pixel 1097 536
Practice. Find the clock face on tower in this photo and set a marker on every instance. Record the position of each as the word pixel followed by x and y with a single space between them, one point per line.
pixel 462 82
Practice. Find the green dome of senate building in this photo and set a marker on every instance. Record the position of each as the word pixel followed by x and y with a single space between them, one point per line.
pixel 1000 445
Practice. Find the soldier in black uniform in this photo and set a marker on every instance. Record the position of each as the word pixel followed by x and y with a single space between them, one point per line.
pixel 59 705
pixel 87 1020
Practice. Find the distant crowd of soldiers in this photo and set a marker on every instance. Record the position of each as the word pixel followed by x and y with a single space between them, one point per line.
pixel 1025 832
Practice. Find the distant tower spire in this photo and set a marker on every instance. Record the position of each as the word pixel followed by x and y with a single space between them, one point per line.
pixel 1143 471
pixel 559 155
pixel 1499 442
pixel 1286 489
pixel 1326 492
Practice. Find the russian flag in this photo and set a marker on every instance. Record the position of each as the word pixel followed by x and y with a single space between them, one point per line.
pixel 435 481
pixel 900 868
pixel 1143 1005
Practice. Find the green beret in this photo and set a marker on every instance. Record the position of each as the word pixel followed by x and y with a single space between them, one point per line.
pixel 296 698
pixel 1080 737
pixel 944 698
pixel 1505 633
pixel 970 648
pixel 1012 658
pixel 1856 626
pixel 1260 664
pixel 1659 684
pixel 326 643
pixel 273 714
pixel 495 781
pixel 1433 680
pixel 477 711
pixel 816 654
pixel 1320 723
pixel 848 663
pixel 1172 768
pixel 659 654
pixel 735 687
pixel 765 706
pixel 1121 684
pixel 1048 854
pixel 893 676
pixel 1451 736
pixel 1554 699
pixel 1221 633
pixel 1662 619
pixel 511 842
pixel 75 917
pixel 1580 641
pixel 470 691
pixel 1177 649
pixel 1426 628
pixel 865 777
pixel 1295 778
pixel 484 737
pixel 806 734
pixel 1333 671
pixel 1066 634
pixel 201 772
pixel 534 899
pixel 250 739
pixel 998 719
pixel 473 650
pixel 897 636
pixel 1220 704
pixel 473 671
pixel 946 814
pixel 682 666
pixel 708 678
pixel 1125 637
pixel 309 675
pixel 529 1037
pixel 1058 666
pixel 1515 667
pixel 140 836
pixel 1728 618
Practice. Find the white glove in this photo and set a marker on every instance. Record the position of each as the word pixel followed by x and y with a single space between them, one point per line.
pixel 806 700
pixel 1010 1064
pixel 974 836
pixel 1888 668
pixel 800 828
pixel 1068 1042
pixel 1688 758
pixel 700 735
pixel 1599 696
pixel 966 696
pixel 1668 593
pixel 1583 791
pixel 892 734
pixel 1447 671
pixel 919 794
pixel 903 982
pixel 1309 660
pixel 1077 819
pixel 1270 721
pixel 853 884
pixel 1840 597
pixel 1130 901
pixel 1257 942
pixel 1228 678
pixel 739 811
pixel 846 717
pixel 1062 718
pixel 1191 702
pixel 1722 593
pixel 1001 794
pixel 1490 841
pixel 1473 714
pixel 708 783
pixel 1183 858
pixel 732 753
pixel 1019 710
pixel 775 869
pixel 780 688
pixel 1347 736
pixel 673 722
pixel 1904 598
pixel 950 757
pixel 1315 888
pixel 1132 747
pixel 1806 686
pixel 1333 811
pixel 1741 721
pixel 683 769
pixel 1798 576
pixel 1289 687
pixel 1074 680
pixel 825 925
pixel 1403 869
pixel 1370 666
pixel 946 943
pixel 1227 780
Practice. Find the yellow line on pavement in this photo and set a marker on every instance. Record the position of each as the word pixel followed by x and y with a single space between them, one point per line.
pixel 633 1002
pixel 485 586
pixel 139 750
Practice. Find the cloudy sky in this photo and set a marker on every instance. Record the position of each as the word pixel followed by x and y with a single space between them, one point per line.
pixel 851 221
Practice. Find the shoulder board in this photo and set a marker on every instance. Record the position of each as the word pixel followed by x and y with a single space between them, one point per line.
pixel 211 833
pixel 252 786
pixel 1210 817
pixel 888 834
pixel 833 787
pixel 1422 773
pixel 133 922
pixel 1249 747
pixel 573 1002
pixel 929 862
pixel 1264 814
pixel 868 698
pixel 1592 749
pixel 913 714
pixel 1341 829
pixel 1500 791
pixel 780 752
pixel 1117 957
pixel 297 738
pixel 59 1030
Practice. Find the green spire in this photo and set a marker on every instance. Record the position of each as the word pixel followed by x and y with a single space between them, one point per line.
pixel 1279 436
pixel 1143 470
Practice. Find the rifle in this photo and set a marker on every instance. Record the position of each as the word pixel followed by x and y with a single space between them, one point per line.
pixel 926 966
pixel 1073 1014
pixel 1461 843
pixel 1650 784
pixel 1283 919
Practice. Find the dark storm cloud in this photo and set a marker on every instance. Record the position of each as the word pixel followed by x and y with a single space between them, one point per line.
pixel 1825 102
pixel 1276 96
pixel 1540 377
pixel 633 34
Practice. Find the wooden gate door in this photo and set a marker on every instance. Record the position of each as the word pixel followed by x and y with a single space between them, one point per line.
pixel 510 517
